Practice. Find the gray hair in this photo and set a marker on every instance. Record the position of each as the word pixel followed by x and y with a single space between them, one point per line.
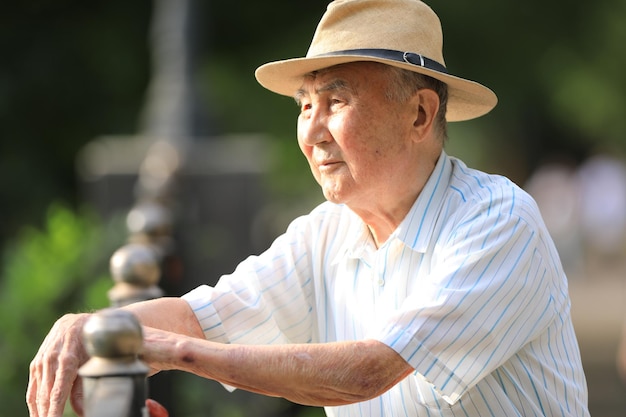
pixel 404 84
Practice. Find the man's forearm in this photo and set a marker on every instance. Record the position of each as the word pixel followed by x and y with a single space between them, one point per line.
pixel 171 314
pixel 312 374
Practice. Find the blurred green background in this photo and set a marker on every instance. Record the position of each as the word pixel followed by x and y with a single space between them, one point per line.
pixel 71 71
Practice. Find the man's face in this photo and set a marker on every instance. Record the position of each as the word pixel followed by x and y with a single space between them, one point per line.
pixel 356 140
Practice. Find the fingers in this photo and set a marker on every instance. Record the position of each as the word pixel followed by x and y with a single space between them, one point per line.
pixel 55 367
pixel 41 376
pixel 155 409
pixel 31 393
pixel 76 397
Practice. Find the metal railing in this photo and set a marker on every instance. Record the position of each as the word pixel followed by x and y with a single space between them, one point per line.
pixel 114 379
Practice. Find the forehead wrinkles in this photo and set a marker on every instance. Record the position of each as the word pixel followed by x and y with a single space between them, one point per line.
pixel 323 82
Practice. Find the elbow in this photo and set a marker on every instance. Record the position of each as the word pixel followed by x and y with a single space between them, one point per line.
pixel 374 376
pixel 361 388
pixel 353 386
pixel 360 371
pixel 370 385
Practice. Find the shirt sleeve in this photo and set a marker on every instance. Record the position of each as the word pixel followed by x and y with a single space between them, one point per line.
pixel 266 300
pixel 489 292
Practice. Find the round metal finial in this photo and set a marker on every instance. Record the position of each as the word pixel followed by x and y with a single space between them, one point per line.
pixel 150 223
pixel 113 339
pixel 112 334
pixel 114 379
pixel 135 270
pixel 135 264
pixel 149 218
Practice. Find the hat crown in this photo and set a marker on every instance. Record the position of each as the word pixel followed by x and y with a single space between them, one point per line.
pixel 400 25
pixel 402 33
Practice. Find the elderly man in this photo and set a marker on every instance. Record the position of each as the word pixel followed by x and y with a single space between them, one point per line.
pixel 421 287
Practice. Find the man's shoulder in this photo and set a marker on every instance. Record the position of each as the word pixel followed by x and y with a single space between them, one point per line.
pixel 486 190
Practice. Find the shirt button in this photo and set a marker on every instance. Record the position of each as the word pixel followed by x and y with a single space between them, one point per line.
pixel 381 282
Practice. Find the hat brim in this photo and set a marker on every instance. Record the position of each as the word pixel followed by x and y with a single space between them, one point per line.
pixel 466 99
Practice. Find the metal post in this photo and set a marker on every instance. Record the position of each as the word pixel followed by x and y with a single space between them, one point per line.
pixel 196 195
pixel 135 270
pixel 114 379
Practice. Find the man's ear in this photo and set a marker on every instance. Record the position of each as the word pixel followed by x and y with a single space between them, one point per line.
pixel 426 103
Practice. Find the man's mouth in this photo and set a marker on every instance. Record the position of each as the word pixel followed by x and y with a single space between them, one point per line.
pixel 328 164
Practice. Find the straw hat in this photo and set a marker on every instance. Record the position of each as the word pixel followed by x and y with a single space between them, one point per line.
pixel 402 33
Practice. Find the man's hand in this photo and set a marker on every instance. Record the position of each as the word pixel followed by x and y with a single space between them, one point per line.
pixel 155 409
pixel 54 370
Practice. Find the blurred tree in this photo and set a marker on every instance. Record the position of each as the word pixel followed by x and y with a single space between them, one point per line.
pixel 70 70
pixel 556 69
pixel 47 272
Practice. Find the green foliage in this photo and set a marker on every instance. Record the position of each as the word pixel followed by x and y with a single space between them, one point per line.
pixel 46 273
pixel 585 73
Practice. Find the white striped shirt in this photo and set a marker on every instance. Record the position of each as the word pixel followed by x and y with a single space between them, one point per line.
pixel 469 290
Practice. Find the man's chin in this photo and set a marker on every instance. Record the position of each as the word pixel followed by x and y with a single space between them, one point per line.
pixel 333 198
pixel 333 193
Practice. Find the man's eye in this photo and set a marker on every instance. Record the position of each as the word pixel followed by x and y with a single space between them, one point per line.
pixel 305 106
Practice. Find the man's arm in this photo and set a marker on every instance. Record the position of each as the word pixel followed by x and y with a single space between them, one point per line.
pixel 54 370
pixel 171 314
pixel 321 374
pixel 313 374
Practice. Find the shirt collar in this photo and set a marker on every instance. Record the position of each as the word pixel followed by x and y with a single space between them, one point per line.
pixel 416 229
pixel 418 226
pixel 358 242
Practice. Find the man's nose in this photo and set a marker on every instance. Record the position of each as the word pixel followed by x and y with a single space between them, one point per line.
pixel 313 129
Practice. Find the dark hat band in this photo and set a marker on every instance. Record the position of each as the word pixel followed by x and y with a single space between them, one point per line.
pixel 398 56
